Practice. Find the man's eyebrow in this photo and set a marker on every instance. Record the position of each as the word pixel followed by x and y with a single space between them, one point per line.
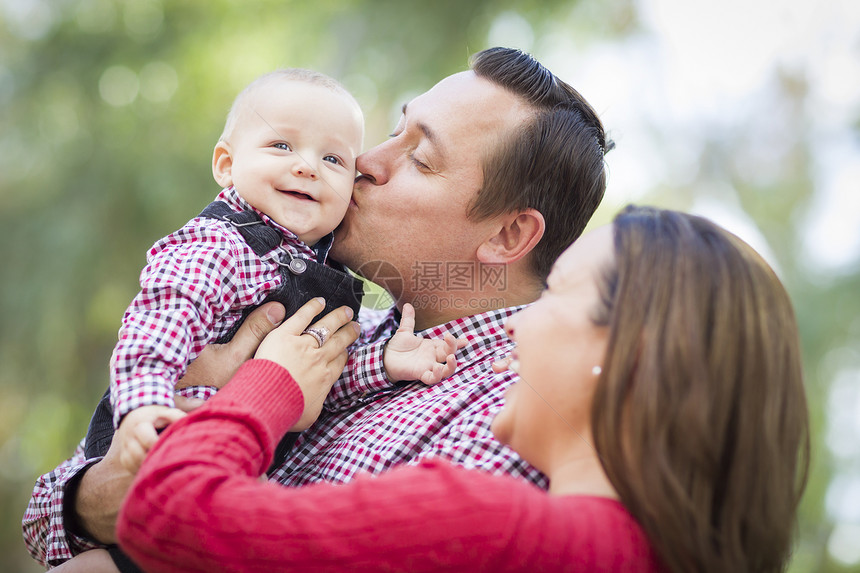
pixel 428 133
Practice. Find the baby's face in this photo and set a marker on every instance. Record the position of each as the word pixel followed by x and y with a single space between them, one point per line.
pixel 292 155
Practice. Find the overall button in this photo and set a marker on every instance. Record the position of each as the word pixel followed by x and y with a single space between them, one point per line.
pixel 297 266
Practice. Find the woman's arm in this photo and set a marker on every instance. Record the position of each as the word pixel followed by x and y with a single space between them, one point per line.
pixel 197 504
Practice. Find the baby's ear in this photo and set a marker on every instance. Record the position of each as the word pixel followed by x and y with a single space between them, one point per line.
pixel 222 164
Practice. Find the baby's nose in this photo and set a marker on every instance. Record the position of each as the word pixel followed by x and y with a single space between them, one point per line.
pixel 305 170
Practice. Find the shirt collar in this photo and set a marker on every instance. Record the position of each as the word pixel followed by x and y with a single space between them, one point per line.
pixel 485 330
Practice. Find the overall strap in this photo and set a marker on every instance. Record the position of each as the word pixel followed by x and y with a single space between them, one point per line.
pixel 259 236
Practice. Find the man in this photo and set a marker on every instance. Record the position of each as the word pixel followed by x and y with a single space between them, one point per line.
pixel 486 179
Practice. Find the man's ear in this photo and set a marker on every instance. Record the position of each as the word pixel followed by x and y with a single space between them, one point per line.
pixel 222 164
pixel 516 236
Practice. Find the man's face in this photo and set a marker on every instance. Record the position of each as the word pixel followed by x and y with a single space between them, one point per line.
pixel 408 208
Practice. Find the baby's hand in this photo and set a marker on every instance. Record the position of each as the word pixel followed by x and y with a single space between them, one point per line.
pixel 138 432
pixel 410 357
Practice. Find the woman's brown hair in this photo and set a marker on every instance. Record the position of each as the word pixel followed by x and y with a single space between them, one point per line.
pixel 700 416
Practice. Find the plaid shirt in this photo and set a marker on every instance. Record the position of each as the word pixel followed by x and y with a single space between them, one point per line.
pixel 194 287
pixel 368 424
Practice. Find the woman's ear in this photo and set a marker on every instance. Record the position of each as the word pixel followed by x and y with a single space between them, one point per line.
pixel 222 164
pixel 515 237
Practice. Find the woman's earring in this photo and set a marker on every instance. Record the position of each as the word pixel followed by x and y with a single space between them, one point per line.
pixel 596 370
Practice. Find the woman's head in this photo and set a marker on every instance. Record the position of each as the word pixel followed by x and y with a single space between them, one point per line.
pixel 699 415
pixel 560 341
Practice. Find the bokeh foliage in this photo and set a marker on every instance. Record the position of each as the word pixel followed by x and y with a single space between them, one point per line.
pixel 86 185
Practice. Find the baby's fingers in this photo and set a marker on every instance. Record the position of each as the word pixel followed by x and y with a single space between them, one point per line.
pixel 449 367
pixel 433 376
pixel 453 344
pixel 501 365
pixel 145 435
pixel 407 319
pixel 132 456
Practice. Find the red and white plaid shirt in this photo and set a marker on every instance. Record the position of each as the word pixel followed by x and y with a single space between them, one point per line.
pixel 369 424
pixel 194 287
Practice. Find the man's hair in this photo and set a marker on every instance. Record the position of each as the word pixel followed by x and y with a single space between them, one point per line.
pixel 284 74
pixel 553 163
pixel 699 416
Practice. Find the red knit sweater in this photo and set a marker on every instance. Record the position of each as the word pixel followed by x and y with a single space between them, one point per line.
pixel 198 505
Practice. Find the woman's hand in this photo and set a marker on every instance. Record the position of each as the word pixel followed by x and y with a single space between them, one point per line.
pixel 315 368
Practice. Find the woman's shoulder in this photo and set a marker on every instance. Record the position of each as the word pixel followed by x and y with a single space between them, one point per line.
pixel 581 532
pixel 601 534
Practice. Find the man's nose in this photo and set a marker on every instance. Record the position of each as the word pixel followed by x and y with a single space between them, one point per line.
pixel 375 164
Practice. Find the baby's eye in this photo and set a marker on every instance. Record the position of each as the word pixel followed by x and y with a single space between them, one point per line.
pixel 282 145
pixel 333 159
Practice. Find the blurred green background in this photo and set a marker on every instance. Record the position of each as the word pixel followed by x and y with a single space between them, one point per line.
pixel 747 112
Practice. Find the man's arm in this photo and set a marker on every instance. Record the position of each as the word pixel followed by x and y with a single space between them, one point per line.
pixel 74 507
pixel 44 526
pixel 93 505
pixel 92 561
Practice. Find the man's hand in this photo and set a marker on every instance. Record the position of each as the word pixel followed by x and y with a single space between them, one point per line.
pixel 105 483
pixel 410 357
pixel 217 364
pixel 93 510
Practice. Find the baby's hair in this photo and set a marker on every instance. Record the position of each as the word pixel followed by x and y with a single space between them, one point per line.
pixel 285 74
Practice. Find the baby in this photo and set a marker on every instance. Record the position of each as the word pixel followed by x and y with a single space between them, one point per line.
pixel 286 163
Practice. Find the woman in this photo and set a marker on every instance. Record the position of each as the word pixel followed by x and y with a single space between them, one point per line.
pixel 660 391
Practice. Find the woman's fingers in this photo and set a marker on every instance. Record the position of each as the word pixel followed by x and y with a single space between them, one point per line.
pixel 333 321
pixel 297 323
pixel 342 332
pixel 295 351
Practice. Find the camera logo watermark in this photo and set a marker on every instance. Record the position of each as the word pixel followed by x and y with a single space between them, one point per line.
pixel 436 285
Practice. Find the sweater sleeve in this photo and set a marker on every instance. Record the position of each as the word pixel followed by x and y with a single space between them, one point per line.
pixel 198 505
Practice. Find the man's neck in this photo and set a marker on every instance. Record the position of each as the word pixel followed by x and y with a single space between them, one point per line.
pixel 433 309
